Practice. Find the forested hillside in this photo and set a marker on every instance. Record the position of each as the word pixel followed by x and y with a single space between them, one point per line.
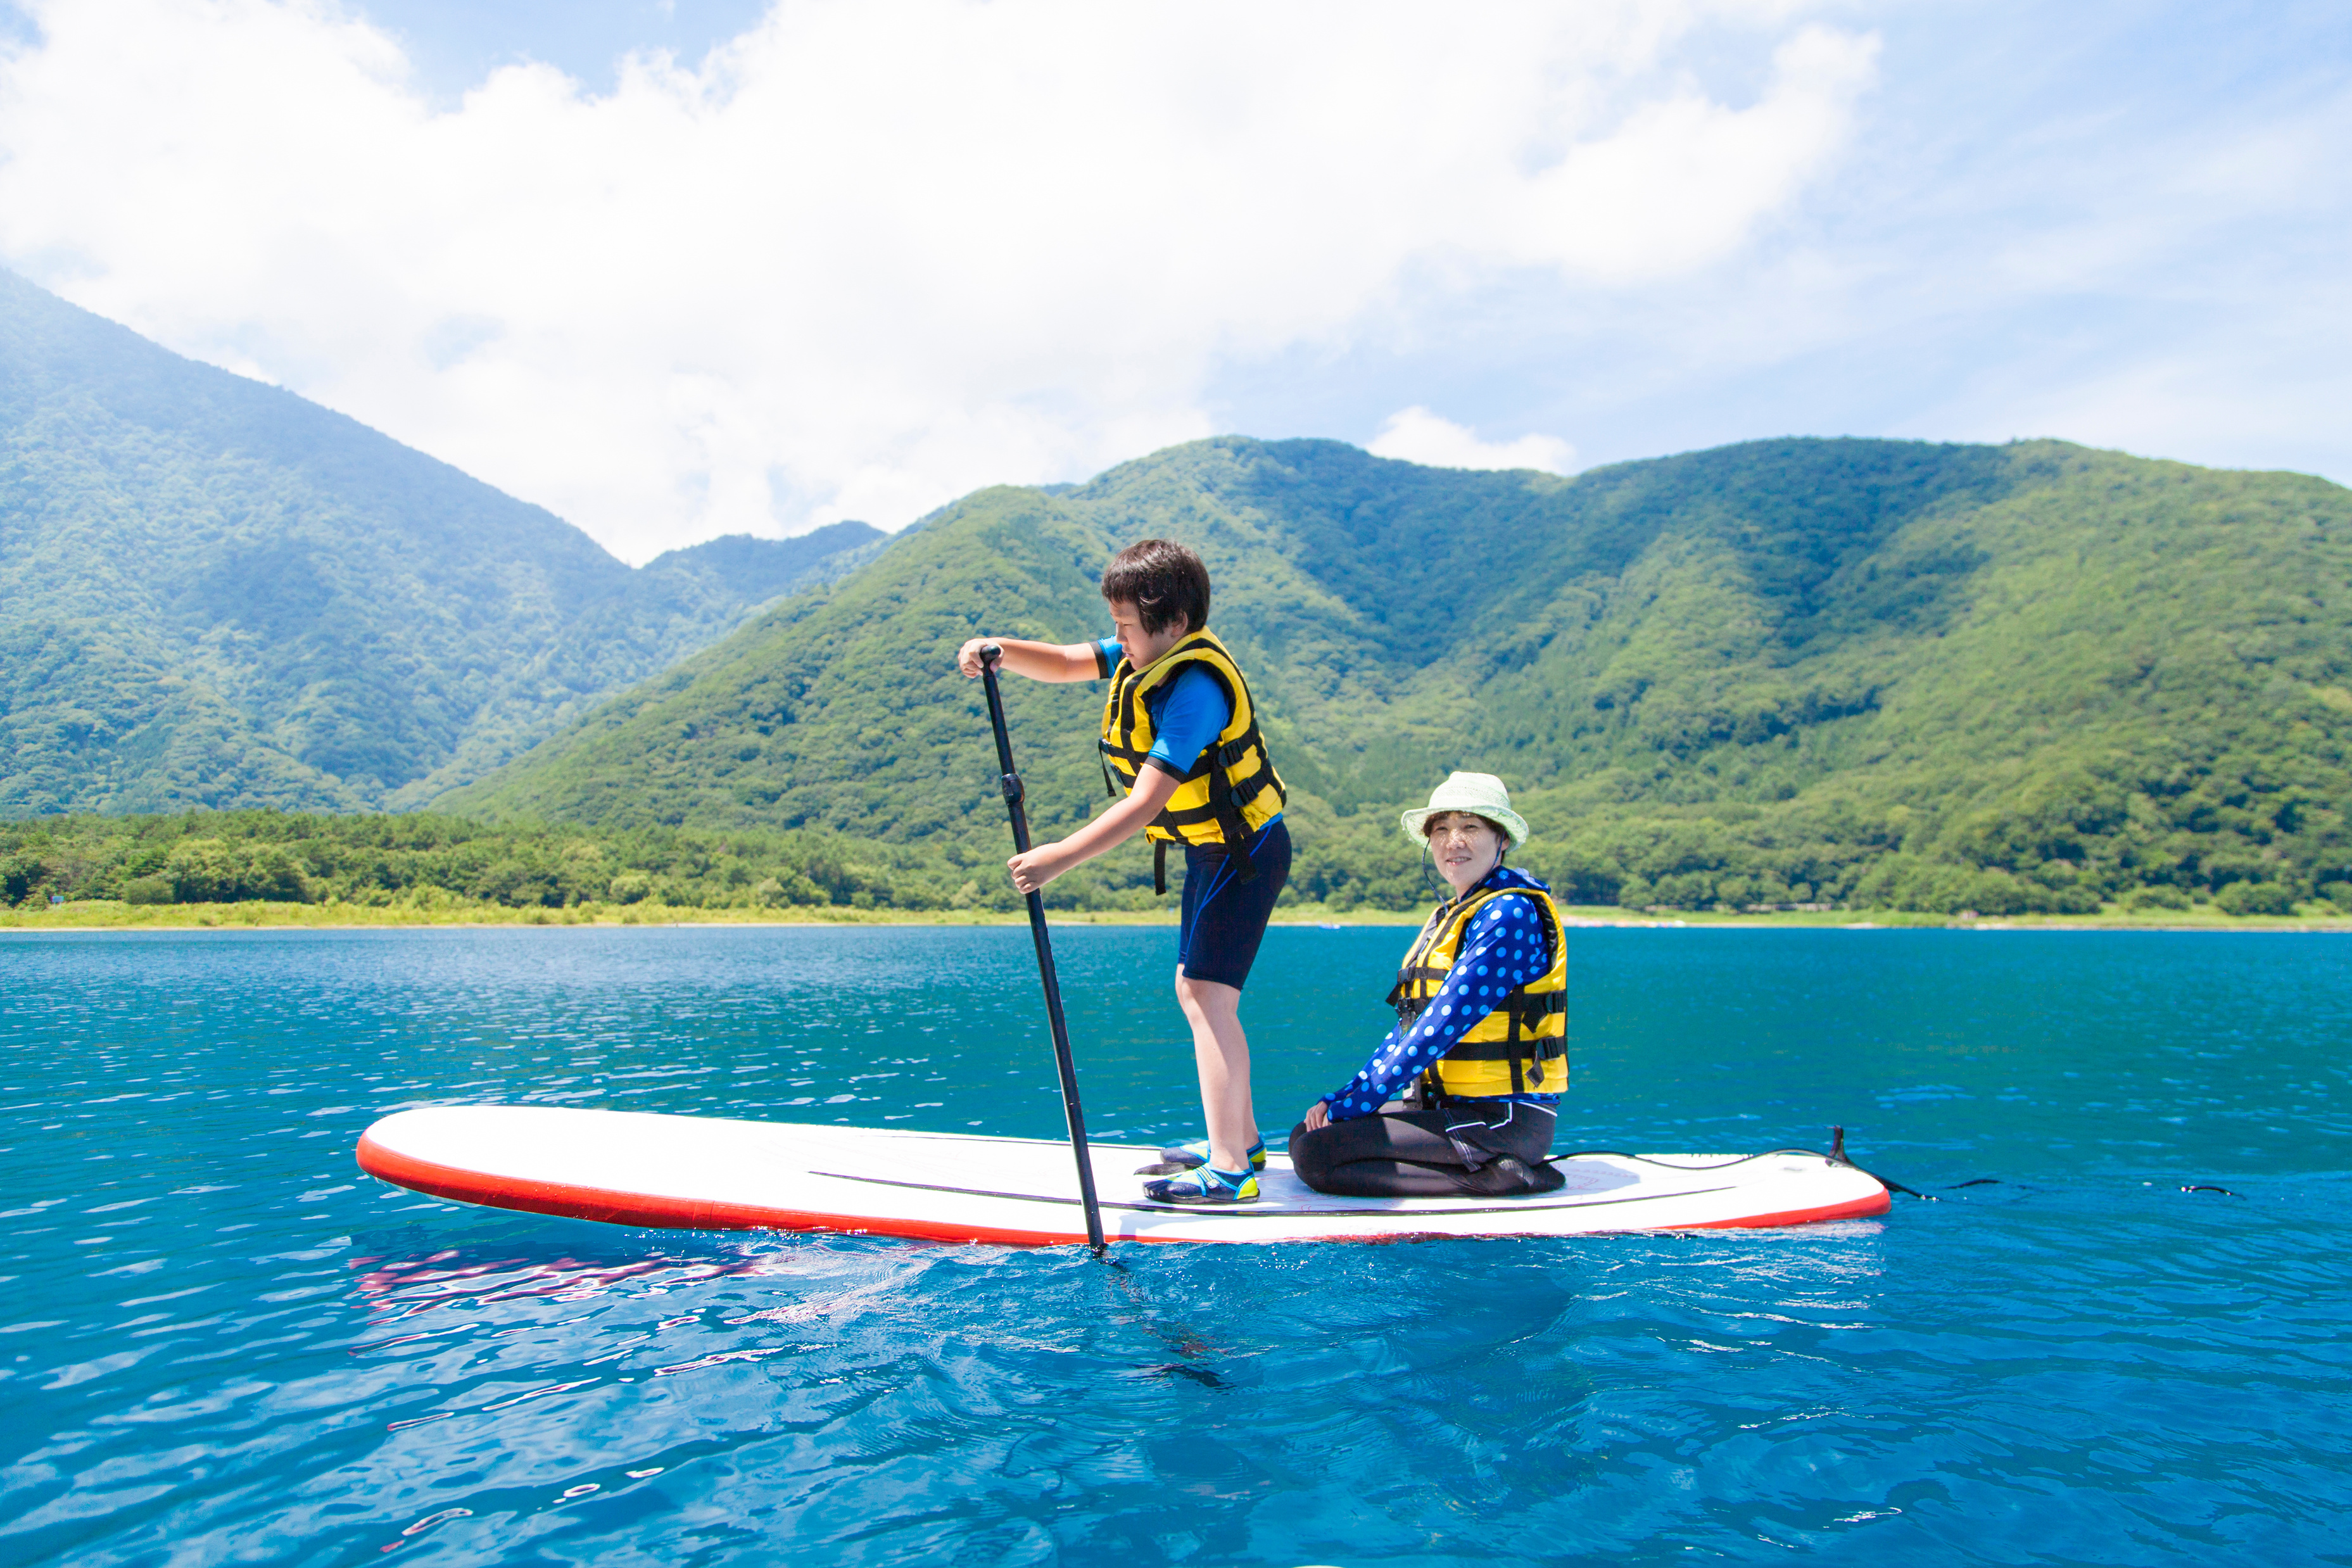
pixel 212 593
pixel 410 861
pixel 1936 676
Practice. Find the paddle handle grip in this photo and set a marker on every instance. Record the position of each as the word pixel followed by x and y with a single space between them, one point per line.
pixel 992 657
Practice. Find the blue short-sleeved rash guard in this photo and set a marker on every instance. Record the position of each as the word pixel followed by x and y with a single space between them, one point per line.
pixel 1187 713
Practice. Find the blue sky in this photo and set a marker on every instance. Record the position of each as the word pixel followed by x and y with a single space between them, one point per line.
pixel 2010 248
pixel 453 43
pixel 674 270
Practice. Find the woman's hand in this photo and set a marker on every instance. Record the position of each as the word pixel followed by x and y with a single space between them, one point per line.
pixel 1318 1116
pixel 1031 871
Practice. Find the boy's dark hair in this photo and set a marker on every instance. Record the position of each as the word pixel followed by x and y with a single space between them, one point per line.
pixel 1165 581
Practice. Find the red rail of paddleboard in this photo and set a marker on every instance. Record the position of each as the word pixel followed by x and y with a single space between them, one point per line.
pixel 610 1208
pixel 652 1209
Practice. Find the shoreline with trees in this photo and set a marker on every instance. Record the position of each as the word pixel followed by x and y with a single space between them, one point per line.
pixel 265 867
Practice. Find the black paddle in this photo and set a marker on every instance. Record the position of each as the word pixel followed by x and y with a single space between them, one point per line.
pixel 989 656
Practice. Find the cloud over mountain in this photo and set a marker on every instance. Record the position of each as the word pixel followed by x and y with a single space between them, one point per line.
pixel 862 260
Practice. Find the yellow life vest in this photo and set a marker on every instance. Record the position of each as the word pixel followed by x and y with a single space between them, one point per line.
pixel 1233 790
pixel 1520 1048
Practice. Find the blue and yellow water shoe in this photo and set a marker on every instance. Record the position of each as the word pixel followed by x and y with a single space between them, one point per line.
pixel 1204 1184
pixel 1184 1156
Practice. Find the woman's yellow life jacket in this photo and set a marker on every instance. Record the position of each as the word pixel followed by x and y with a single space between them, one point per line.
pixel 1233 790
pixel 1520 1048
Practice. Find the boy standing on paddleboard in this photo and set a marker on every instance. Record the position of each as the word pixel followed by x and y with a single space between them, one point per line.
pixel 1180 731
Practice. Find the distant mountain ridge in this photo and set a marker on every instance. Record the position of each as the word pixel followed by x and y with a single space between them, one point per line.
pixel 1927 676
pixel 216 594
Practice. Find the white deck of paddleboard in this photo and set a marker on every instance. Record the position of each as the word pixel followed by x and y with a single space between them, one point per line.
pixel 705 1172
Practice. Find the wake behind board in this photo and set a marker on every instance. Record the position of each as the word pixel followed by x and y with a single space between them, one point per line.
pixel 706 1173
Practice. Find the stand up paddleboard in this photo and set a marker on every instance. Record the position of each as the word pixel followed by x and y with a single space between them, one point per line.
pixel 704 1173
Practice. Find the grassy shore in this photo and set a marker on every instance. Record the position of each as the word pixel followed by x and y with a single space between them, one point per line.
pixel 101 914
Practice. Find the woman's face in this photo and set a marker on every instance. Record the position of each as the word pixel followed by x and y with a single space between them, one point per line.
pixel 1466 848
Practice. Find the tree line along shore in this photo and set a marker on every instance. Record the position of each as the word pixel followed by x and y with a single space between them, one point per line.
pixel 316 869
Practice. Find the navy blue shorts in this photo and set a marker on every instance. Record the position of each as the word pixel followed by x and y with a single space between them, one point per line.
pixel 1225 917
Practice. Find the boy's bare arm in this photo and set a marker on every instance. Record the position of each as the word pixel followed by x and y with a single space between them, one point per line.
pixel 1037 661
pixel 1112 829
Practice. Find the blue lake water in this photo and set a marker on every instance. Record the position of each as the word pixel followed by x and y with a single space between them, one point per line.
pixel 221 1343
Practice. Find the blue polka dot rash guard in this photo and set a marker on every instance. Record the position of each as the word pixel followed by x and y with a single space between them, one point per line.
pixel 1505 948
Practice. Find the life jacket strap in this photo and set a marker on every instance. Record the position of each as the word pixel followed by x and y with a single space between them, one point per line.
pixel 1400 997
pixel 1523 1015
pixel 1226 800
pixel 1159 867
pixel 1230 822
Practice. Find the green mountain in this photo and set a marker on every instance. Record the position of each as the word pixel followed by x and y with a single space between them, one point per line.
pixel 2029 676
pixel 215 594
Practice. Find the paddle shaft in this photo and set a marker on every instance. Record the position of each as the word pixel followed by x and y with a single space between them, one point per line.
pixel 990 656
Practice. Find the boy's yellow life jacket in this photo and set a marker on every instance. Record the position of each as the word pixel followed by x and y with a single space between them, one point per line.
pixel 1520 1048
pixel 1233 790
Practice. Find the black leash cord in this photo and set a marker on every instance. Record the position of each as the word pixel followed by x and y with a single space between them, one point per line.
pixel 1836 1156
pixel 1836 1159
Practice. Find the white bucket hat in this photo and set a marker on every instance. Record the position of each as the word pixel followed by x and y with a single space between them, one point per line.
pixel 1481 795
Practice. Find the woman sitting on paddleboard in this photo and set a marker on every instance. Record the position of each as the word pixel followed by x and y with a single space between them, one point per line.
pixel 1480 1043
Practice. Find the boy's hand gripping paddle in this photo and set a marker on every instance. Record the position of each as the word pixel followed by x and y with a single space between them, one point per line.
pixel 989 656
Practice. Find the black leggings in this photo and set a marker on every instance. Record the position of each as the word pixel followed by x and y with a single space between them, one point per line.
pixel 1489 1149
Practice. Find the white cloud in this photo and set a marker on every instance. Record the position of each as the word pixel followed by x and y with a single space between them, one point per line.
pixel 866 257
pixel 1416 435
